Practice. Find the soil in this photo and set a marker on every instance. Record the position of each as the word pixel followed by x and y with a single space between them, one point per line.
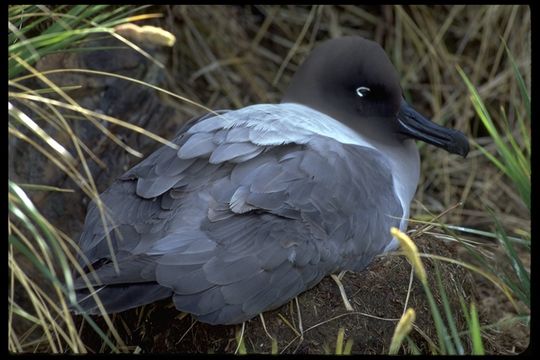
pixel 378 295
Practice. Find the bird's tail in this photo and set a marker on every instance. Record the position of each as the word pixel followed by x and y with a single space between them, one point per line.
pixel 117 298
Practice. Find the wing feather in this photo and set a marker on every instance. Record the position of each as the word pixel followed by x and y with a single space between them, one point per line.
pixel 242 217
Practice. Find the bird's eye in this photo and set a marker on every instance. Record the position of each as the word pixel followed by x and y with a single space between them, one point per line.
pixel 362 91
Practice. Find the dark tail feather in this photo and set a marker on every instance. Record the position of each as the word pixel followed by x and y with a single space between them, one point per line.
pixel 117 298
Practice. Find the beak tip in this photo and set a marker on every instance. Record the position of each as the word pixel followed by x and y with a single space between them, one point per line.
pixel 462 145
pixel 414 125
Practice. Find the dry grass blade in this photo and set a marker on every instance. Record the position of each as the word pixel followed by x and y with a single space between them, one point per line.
pixel 94 114
pixel 294 48
pixel 55 118
pixel 29 123
pixel 344 297
pixel 103 73
pixel 497 282
pixel 42 260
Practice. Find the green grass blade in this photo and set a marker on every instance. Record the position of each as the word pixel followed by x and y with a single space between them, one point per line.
pixel 73 20
pixel 42 223
pixel 45 271
pixel 448 312
pixel 476 336
pixel 412 347
pixel 521 82
pixel 23 30
pixel 31 50
pixel 525 135
pixel 519 241
pixel 274 349
pixel 241 347
pixel 339 341
pixel 509 164
pixel 445 345
pixel 524 285
pixel 524 168
pixel 348 347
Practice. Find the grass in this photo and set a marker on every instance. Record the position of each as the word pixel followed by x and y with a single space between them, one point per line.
pixel 54 318
pixel 516 166
pixel 41 257
pixel 465 66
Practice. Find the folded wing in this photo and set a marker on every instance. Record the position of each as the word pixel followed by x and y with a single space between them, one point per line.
pixel 239 220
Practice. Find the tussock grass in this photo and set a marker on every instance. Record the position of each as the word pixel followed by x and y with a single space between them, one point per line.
pixel 41 257
pixel 465 66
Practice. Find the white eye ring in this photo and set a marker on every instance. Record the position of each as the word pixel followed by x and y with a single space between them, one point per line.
pixel 362 91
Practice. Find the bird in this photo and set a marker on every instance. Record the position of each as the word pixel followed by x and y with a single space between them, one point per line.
pixel 258 204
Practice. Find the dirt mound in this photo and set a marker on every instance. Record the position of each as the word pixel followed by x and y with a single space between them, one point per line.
pixel 377 294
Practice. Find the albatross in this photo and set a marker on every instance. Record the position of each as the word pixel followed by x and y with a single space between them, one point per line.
pixel 259 204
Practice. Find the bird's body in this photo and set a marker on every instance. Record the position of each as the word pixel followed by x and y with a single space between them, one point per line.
pixel 256 206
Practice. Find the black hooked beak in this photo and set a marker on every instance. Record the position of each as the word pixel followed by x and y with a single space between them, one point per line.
pixel 413 124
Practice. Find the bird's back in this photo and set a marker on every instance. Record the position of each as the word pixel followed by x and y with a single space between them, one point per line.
pixel 253 209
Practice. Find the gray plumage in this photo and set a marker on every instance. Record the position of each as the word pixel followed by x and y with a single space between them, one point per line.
pixel 259 204
pixel 231 225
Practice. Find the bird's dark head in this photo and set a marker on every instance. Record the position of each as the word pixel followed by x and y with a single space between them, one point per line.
pixel 352 80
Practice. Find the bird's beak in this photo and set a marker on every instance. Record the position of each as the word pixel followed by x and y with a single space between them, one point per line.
pixel 414 125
